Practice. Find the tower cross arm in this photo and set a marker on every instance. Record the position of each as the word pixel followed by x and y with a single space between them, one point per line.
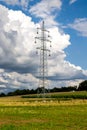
pixel 43 39
pixel 43 49
pixel 43 30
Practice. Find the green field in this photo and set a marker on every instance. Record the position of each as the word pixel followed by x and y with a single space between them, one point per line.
pixel 17 113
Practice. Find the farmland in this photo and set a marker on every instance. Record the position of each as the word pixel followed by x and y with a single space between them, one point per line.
pixel 58 112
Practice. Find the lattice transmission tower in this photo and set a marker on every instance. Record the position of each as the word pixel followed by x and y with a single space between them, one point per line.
pixel 44 37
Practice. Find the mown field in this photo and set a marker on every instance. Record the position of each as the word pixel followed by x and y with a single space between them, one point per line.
pixel 58 112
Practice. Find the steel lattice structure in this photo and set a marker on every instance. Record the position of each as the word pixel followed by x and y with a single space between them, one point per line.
pixel 44 37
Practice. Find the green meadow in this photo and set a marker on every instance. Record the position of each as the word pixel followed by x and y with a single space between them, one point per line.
pixel 58 112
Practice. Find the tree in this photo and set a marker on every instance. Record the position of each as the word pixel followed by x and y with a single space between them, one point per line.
pixel 83 86
pixel 2 95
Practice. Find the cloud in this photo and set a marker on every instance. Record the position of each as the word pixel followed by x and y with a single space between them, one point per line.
pixel 66 83
pixel 80 25
pixel 18 62
pixel 45 10
pixel 10 81
pixel 72 1
pixel 22 3
pixel 64 70
pixel 16 41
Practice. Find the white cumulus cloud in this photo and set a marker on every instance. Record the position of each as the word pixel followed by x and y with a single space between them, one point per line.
pixel 18 61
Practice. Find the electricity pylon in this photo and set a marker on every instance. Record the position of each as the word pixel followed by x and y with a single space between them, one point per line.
pixel 43 37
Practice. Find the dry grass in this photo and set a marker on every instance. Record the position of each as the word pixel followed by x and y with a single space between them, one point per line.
pixel 18 101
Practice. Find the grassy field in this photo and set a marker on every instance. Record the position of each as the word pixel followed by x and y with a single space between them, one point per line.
pixel 18 113
pixel 61 95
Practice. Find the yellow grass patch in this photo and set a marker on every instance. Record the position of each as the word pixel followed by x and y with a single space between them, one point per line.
pixel 18 101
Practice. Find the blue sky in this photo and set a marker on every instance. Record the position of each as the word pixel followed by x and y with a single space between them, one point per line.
pixel 77 50
pixel 65 19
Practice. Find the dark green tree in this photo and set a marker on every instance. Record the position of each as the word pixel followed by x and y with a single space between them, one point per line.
pixel 2 95
pixel 83 86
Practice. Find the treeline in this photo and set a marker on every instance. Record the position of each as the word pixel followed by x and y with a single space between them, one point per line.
pixel 38 90
pixel 82 87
